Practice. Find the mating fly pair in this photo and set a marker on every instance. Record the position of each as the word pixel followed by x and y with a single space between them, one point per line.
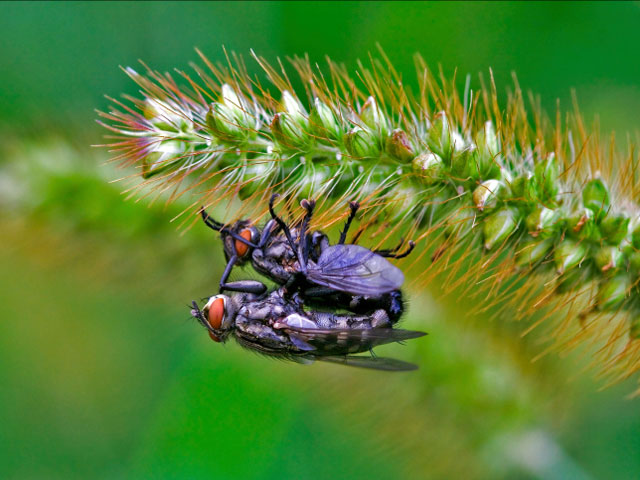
pixel 309 270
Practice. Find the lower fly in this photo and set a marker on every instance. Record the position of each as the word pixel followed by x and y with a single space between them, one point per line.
pixel 277 324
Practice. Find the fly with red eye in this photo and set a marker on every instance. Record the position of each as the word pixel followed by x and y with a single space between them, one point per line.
pixel 278 325
pixel 345 275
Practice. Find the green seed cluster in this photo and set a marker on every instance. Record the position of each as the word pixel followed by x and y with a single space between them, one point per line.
pixel 425 169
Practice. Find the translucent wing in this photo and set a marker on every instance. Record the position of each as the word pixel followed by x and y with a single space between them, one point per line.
pixel 356 270
pixel 331 342
pixel 374 363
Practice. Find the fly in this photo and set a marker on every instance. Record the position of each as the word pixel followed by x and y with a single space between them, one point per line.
pixel 347 275
pixel 277 325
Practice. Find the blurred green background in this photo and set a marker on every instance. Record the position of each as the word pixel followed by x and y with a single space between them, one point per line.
pixel 103 375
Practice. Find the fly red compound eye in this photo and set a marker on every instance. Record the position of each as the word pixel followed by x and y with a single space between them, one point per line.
pixel 215 309
pixel 243 248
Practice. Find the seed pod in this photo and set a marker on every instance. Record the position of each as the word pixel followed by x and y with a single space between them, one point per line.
pixel 373 118
pixel 581 225
pixel 486 194
pixel 533 251
pixel 361 143
pixel 568 254
pixel 430 166
pixel 608 258
pixel 546 176
pixel 398 146
pixel 595 196
pixel 442 140
pixel 323 122
pixel 294 109
pixel 166 117
pixel 541 219
pixel 224 126
pixel 162 156
pixel 523 188
pixel 498 226
pixel 486 151
pixel 289 133
pixel 612 292
pixel 614 228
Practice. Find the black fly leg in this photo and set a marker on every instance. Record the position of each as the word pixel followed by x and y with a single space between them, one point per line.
pixel 354 206
pixel 245 286
pixel 390 251
pixel 391 254
pixel 210 222
pixel 303 245
pixel 280 222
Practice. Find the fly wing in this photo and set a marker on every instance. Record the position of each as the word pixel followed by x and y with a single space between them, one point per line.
pixel 374 363
pixel 356 270
pixel 332 342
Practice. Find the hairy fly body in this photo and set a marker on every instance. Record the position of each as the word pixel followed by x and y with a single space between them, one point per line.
pixel 347 275
pixel 276 324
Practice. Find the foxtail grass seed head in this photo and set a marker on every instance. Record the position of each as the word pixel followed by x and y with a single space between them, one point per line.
pixel 463 172
pixel 612 292
pixel 323 123
pixel 498 226
pixel 569 254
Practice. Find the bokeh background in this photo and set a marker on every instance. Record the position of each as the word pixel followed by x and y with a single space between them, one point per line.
pixel 103 374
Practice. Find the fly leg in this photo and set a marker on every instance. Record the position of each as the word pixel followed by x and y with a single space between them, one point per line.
pixel 210 222
pixel 303 245
pixel 245 286
pixel 280 222
pixel 354 206
pixel 392 252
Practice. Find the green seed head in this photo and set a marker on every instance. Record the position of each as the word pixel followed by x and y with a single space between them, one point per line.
pixel 498 226
pixel 323 122
pixel 540 221
pixel 546 180
pixel 486 194
pixel 443 140
pixel 484 156
pixel 294 109
pixel 533 251
pixel 614 228
pixel 612 292
pixel 373 118
pixel 288 132
pixel 429 166
pixel 361 143
pixel 608 258
pixel 163 156
pixel 568 254
pixel 595 196
pixel 224 125
pixel 166 117
pixel 399 147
